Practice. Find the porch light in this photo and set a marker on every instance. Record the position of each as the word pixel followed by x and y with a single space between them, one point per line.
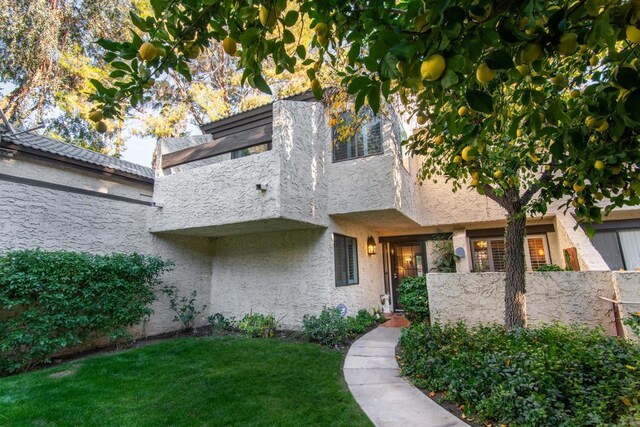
pixel 371 246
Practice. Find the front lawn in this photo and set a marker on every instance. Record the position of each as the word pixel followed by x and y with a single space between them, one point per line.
pixel 190 381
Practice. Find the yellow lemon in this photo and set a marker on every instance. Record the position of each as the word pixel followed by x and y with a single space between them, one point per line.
pixel 568 44
pixel 598 165
pixel 322 40
pixel 433 67
pixel 519 133
pixel 457 159
pixel 530 53
pixel 633 34
pixel 465 154
pixel 580 201
pixel 474 182
pixel 594 60
pixel 438 140
pixel 484 74
pixel 420 23
pixel 95 115
pixel 321 29
pixel 148 52
pixel 101 127
pixel 497 174
pixel 421 119
pixel 268 16
pixel 558 80
pixel 523 69
pixel 574 94
pixel 462 111
pixel 603 125
pixel 577 187
pixel 535 159
pixel 230 46
pixel 566 183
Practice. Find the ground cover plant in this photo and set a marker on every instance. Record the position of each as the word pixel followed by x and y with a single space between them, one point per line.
pixel 545 376
pixel 331 328
pixel 185 382
pixel 55 300
pixel 414 298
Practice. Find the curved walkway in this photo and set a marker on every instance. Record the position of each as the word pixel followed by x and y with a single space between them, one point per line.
pixel 372 374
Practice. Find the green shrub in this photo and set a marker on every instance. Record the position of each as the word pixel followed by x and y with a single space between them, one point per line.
pixel 546 376
pixel 331 328
pixel 219 323
pixel 258 325
pixel 54 300
pixel 633 322
pixel 184 307
pixel 550 267
pixel 414 298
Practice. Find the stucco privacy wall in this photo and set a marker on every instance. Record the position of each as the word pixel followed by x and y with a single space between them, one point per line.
pixel 567 297
pixel 36 217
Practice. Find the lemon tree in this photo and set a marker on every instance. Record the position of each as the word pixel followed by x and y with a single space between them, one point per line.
pixel 526 102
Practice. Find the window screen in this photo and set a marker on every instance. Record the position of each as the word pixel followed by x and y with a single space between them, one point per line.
pixel 537 253
pixel 365 141
pixel 346 260
pixel 498 255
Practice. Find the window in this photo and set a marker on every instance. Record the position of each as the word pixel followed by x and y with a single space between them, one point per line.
pixel 346 260
pixel 620 248
pixel 365 141
pixel 489 254
pixel 251 150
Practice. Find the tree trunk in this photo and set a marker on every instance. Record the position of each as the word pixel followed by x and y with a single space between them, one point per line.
pixel 514 296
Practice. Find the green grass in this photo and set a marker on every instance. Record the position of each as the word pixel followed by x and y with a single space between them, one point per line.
pixel 190 382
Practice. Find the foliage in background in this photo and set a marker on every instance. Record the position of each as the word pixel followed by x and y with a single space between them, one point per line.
pixel 332 329
pixel 633 322
pixel 543 376
pixel 550 267
pixel 444 254
pixel 258 325
pixel 220 324
pixel 55 300
pixel 184 306
pixel 414 298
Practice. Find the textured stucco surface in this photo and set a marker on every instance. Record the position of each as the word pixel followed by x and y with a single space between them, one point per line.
pixel 570 236
pixel 35 217
pixel 567 297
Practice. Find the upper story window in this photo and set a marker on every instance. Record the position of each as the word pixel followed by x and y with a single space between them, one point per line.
pixel 251 150
pixel 489 254
pixel 346 260
pixel 356 138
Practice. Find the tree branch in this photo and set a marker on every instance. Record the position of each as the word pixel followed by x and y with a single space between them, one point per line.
pixel 544 178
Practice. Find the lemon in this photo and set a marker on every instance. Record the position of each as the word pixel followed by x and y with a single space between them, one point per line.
pixel 519 133
pixel 558 80
pixel 433 67
pixel 603 125
pixel 148 52
pixel 95 115
pixel 497 174
pixel 322 40
pixel 568 44
pixel 594 60
pixel 193 52
pixel 633 34
pixel 475 175
pixel 530 53
pixel 580 201
pixel 420 23
pixel 598 165
pixel 484 74
pixel 230 46
pixel 101 127
pixel 566 183
pixel 321 29
pixel 465 154
pixel 616 170
pixel 438 140
pixel 421 119
pixel 511 182
pixel 590 121
pixel 268 16
pixel 523 69
pixel 462 111
pixel 315 85
pixel 535 159
pixel 574 94
pixel 598 196
pixel 474 182
pixel 457 159
pixel 577 187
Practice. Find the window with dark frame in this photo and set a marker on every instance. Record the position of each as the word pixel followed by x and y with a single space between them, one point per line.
pixel 346 260
pixel 256 149
pixel 366 141
pixel 489 254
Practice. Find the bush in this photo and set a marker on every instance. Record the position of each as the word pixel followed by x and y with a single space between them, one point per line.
pixel 414 298
pixel 219 323
pixel 633 322
pixel 550 267
pixel 331 328
pixel 547 376
pixel 258 325
pixel 54 300
pixel 184 307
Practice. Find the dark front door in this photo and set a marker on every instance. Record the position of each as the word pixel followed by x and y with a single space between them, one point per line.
pixel 407 260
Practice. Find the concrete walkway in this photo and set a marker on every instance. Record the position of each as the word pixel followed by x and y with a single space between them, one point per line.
pixel 372 374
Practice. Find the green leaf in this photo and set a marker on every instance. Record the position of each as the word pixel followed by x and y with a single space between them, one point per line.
pixel 499 60
pixel 260 83
pixel 627 77
pixel 288 37
pixel 374 98
pixel 590 231
pixel 138 22
pixel 108 45
pixel 479 101
pixel 358 84
pixel 301 52
pixel 632 105
pixel 291 18
pixel 183 69
pixel 119 65
pixel 388 68
pixel 449 79
pixel 354 53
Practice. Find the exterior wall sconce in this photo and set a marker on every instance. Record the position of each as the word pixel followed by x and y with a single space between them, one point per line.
pixel 372 248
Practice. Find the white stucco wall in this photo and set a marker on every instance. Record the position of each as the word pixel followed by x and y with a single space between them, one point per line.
pixel 569 235
pixel 35 217
pixel 567 297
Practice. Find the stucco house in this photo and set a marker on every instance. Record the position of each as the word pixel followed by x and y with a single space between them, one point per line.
pixel 268 212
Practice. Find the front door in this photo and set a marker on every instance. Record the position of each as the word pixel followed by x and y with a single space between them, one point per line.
pixel 407 260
